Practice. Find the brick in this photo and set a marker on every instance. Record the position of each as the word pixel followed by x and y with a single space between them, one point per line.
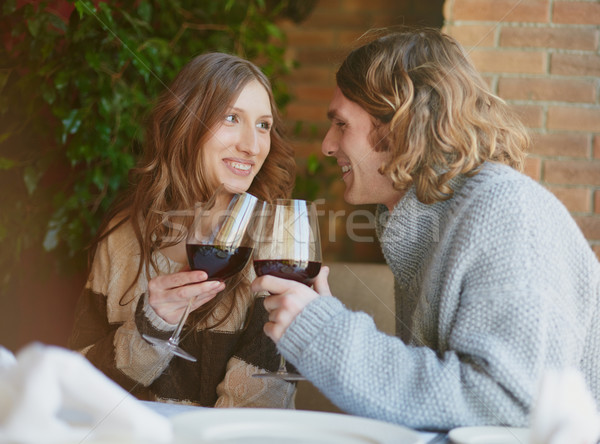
pixel 596 147
pixel 317 75
pixel 596 249
pixel 577 13
pixel 532 116
pixel 474 35
pixel 299 38
pixel 536 11
pixel 533 167
pixel 369 6
pixel 590 226
pixel 597 202
pixel 572 172
pixel 560 144
pixel 576 200
pixel 303 112
pixel 351 38
pixel 506 61
pixel 304 148
pixel 448 13
pixel 331 57
pixel 307 93
pixel 322 18
pixel 307 131
pixel 575 64
pixel 560 38
pixel 562 90
pixel 573 118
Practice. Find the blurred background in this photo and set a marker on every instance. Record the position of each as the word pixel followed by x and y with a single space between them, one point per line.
pixel 77 79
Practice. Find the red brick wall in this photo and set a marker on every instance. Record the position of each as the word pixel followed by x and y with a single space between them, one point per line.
pixel 543 57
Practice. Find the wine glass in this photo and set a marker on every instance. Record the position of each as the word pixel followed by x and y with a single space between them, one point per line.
pixel 220 241
pixel 289 248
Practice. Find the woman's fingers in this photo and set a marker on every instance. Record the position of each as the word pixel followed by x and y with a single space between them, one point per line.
pixel 169 295
pixel 175 280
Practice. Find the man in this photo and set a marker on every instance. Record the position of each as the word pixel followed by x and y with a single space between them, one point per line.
pixel 494 281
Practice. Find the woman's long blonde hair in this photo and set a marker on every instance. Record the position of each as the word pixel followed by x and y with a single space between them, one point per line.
pixel 431 110
pixel 171 175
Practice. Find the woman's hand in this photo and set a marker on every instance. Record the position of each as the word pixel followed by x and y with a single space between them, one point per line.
pixel 169 295
pixel 288 298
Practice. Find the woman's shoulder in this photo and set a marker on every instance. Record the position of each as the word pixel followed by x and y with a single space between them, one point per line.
pixel 119 234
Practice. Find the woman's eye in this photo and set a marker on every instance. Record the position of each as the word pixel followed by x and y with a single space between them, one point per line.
pixel 264 125
pixel 231 118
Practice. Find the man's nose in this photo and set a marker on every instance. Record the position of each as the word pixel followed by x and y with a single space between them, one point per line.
pixel 329 146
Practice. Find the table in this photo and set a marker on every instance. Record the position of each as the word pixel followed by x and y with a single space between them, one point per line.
pixel 169 410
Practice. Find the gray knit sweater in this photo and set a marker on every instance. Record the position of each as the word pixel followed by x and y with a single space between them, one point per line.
pixel 493 286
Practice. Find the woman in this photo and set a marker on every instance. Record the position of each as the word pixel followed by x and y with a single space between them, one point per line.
pixel 217 123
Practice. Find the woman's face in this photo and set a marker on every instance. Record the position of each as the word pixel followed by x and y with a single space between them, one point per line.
pixel 237 147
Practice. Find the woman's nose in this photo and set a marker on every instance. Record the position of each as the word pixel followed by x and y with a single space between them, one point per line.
pixel 249 141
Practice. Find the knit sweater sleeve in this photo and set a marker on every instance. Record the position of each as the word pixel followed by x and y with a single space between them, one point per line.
pixel 510 303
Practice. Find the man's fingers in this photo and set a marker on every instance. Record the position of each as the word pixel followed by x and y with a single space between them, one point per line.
pixel 321 285
pixel 273 331
pixel 272 284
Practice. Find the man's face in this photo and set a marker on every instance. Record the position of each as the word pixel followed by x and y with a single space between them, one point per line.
pixel 348 141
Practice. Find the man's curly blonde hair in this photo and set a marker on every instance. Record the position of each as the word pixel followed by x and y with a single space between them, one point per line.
pixel 431 110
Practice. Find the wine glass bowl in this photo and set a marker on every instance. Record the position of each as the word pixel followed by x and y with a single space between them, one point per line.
pixel 289 248
pixel 220 241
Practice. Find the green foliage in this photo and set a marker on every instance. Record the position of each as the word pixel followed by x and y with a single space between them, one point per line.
pixel 76 82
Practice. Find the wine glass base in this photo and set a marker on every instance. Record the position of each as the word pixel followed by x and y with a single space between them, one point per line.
pixel 280 375
pixel 170 346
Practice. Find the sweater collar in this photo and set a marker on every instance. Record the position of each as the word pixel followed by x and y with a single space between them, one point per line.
pixel 411 231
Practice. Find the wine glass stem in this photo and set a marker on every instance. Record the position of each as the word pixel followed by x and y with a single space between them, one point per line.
pixel 282 367
pixel 174 339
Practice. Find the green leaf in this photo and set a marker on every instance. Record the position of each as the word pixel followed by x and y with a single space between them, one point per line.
pixel 85 7
pixel 71 124
pixel 9 7
pixel 34 24
pixel 312 163
pixel 55 224
pixel 274 31
pixel 6 163
pixel 31 177
pixel 4 74
pixel 145 11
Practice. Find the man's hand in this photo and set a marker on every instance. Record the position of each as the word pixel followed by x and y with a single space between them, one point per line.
pixel 287 299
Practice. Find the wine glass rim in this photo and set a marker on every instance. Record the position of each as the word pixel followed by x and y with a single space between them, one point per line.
pixel 308 202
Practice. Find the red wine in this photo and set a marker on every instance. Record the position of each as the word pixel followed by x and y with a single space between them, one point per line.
pixel 301 271
pixel 219 263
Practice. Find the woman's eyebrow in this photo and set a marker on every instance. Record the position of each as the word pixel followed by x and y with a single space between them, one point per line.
pixel 243 111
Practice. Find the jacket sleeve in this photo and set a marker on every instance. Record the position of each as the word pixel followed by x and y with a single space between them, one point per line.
pixel 254 353
pixel 105 329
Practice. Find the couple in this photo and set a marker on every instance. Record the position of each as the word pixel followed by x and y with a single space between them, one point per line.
pixel 494 281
